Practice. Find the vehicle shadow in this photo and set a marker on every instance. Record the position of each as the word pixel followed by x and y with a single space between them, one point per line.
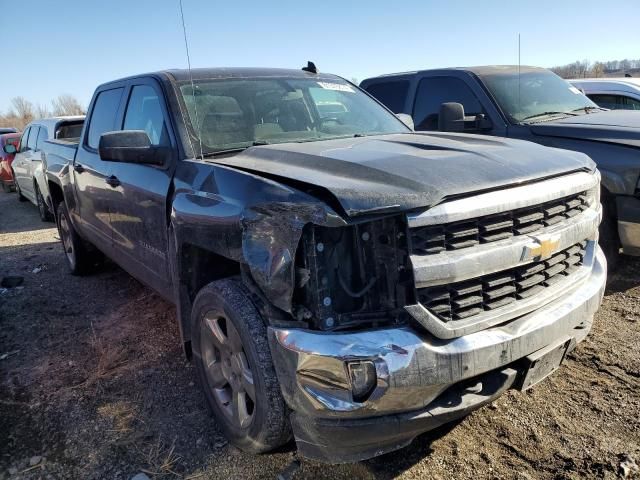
pixel 24 216
pixel 392 464
pixel 626 276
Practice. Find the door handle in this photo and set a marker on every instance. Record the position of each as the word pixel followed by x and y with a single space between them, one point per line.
pixel 78 168
pixel 112 181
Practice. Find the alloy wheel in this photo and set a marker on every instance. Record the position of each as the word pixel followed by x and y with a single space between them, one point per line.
pixel 228 372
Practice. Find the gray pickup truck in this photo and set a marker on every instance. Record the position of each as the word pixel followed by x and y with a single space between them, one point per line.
pixel 533 104
pixel 338 278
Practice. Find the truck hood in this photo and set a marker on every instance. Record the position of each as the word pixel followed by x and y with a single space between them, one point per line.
pixel 615 126
pixel 402 172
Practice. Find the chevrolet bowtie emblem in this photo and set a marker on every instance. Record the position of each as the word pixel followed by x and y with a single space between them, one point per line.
pixel 541 248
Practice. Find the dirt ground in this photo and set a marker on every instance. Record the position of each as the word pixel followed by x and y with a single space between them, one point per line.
pixel 93 381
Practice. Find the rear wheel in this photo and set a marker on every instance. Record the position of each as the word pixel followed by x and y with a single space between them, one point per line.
pixel 6 188
pixel 45 214
pixel 21 198
pixel 81 259
pixel 235 370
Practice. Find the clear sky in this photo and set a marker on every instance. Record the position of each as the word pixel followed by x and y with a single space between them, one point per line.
pixel 51 47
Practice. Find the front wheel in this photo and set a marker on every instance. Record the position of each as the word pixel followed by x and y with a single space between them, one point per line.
pixel 608 233
pixel 235 370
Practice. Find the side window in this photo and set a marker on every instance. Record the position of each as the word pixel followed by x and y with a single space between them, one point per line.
pixel 631 103
pixel 144 112
pixel 24 140
pixel 614 102
pixel 103 117
pixel 391 94
pixel 42 136
pixel 433 92
pixel 33 138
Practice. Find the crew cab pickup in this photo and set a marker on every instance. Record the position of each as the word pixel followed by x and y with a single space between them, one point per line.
pixel 337 277
pixel 533 104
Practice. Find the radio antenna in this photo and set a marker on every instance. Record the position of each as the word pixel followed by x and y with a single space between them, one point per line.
pixel 518 72
pixel 193 88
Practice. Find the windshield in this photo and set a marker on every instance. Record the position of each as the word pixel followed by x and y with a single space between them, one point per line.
pixel 230 114
pixel 536 95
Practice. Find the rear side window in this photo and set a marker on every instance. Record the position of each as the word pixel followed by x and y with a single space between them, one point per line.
pixel 613 102
pixel 144 112
pixel 631 103
pixel 391 94
pixel 103 117
pixel 433 92
pixel 33 138
pixel 42 136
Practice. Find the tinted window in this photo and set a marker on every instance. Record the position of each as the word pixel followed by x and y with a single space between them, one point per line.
pixel 391 94
pixel 433 92
pixel 631 103
pixel 24 139
pixel 145 113
pixel 42 136
pixel 103 118
pixel 33 137
pixel 607 101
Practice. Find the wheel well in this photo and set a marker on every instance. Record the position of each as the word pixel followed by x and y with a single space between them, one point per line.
pixel 199 267
pixel 608 201
pixel 57 196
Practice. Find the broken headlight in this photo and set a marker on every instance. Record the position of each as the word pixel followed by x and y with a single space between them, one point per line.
pixel 353 276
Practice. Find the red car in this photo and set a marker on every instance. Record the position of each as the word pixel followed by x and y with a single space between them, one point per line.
pixel 6 177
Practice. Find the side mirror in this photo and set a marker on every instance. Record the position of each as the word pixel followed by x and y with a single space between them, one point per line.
pixel 406 119
pixel 10 149
pixel 452 119
pixel 130 146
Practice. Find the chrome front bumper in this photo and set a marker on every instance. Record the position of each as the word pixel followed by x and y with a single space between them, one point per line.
pixel 413 367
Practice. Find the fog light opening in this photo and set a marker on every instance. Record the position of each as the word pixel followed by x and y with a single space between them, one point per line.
pixel 363 379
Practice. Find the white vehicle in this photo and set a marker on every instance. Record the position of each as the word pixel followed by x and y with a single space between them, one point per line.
pixel 29 165
pixel 613 93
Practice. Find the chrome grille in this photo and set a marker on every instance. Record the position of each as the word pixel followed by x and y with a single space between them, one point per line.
pixel 463 300
pixel 429 240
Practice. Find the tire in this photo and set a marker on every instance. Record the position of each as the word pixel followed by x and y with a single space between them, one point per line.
pixel 232 356
pixel 43 210
pixel 21 198
pixel 609 240
pixel 6 188
pixel 81 258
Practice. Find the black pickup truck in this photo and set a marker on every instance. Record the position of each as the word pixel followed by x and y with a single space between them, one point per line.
pixel 338 278
pixel 531 103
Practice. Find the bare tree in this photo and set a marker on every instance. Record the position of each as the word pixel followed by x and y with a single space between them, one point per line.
pixel 598 69
pixel 22 110
pixel 42 111
pixel 67 105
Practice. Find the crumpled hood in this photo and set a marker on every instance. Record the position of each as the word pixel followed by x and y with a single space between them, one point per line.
pixel 615 126
pixel 407 171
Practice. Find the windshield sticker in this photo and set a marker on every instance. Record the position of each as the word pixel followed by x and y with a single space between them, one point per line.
pixel 336 86
pixel 575 90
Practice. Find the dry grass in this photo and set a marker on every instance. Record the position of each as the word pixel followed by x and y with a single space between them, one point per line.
pixel 161 460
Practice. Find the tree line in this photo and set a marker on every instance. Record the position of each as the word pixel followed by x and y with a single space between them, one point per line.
pixel 585 68
pixel 22 111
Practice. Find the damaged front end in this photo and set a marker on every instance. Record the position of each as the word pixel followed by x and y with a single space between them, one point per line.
pixel 353 276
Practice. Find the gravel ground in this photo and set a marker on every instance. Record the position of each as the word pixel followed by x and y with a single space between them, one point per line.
pixel 94 385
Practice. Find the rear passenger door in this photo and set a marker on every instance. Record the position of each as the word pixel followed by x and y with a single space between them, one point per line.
pixel 138 197
pixel 91 174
